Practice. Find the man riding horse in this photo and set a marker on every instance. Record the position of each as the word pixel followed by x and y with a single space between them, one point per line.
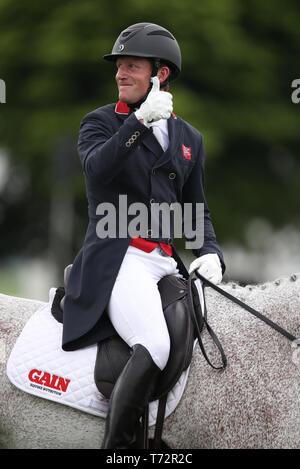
pixel 136 147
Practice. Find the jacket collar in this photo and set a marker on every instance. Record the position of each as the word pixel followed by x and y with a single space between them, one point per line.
pixel 122 108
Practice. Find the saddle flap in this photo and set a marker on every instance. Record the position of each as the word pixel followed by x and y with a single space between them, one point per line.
pixel 171 289
pixel 112 355
pixel 181 333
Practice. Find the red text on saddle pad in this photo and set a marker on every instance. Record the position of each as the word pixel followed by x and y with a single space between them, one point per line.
pixel 48 380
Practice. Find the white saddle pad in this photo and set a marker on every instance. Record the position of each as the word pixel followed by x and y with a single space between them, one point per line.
pixel 39 366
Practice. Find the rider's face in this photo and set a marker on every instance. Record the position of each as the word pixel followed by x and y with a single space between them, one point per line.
pixel 133 78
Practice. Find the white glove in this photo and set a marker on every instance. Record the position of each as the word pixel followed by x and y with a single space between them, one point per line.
pixel 209 266
pixel 158 105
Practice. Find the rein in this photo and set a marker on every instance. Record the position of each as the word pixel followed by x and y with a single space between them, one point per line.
pixel 200 320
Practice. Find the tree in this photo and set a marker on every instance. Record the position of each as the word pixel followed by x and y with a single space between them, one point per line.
pixel 239 60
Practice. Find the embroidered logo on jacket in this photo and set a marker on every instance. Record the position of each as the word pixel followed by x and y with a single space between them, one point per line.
pixel 187 152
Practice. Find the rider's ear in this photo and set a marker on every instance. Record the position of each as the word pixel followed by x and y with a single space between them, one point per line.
pixel 163 73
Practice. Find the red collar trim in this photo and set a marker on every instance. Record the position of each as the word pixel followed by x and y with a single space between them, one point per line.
pixel 122 108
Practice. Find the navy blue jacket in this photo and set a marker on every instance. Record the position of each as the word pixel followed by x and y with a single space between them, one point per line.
pixel 119 155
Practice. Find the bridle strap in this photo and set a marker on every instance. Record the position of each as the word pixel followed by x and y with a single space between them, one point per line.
pixel 199 320
pixel 247 307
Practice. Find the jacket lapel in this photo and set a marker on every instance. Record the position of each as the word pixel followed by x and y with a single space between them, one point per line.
pixel 175 136
pixel 150 141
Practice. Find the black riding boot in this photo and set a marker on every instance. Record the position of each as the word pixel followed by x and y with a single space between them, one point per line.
pixel 128 400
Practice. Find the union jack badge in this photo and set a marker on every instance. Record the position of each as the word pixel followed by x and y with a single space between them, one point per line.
pixel 187 152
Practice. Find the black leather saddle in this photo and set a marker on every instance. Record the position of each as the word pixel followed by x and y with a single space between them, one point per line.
pixel 113 353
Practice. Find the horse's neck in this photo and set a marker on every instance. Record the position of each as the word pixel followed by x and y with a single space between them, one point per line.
pixel 279 300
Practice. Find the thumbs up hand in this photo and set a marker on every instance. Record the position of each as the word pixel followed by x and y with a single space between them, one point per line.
pixel 158 105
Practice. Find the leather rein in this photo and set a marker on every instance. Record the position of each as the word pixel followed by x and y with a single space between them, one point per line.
pixel 200 318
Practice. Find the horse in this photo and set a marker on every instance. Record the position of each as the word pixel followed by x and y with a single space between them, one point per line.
pixel 252 404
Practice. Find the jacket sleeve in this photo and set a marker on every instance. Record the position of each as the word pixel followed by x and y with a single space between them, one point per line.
pixel 193 192
pixel 102 152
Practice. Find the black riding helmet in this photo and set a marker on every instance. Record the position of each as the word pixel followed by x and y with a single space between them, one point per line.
pixel 149 41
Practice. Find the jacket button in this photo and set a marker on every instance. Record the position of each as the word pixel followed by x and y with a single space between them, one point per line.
pixel 172 175
pixel 132 139
pixel 153 171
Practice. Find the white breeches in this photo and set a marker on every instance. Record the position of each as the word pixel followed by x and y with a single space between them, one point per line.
pixel 135 308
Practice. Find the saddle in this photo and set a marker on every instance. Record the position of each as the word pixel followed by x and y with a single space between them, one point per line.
pixel 113 352
pixel 177 296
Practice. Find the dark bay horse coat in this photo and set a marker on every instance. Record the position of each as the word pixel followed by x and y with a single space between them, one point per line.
pixel 119 155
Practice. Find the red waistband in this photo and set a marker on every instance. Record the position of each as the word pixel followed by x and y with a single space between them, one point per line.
pixel 148 246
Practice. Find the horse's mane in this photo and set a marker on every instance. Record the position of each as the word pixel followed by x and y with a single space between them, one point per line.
pixel 233 285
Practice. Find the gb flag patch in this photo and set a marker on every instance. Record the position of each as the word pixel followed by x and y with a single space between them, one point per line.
pixel 187 152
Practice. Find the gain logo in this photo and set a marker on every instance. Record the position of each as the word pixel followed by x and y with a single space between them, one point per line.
pixel 48 380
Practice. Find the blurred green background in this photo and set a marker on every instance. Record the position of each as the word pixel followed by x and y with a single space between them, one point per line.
pixel 239 61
